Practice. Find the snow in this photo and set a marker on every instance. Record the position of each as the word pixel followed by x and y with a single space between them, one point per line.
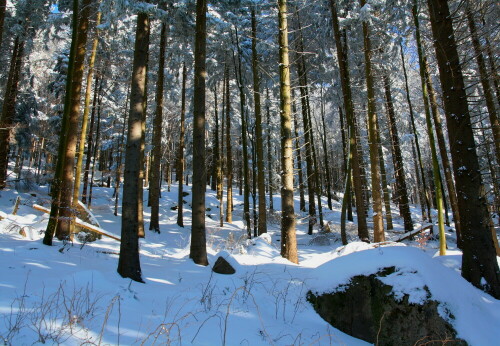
pixel 76 295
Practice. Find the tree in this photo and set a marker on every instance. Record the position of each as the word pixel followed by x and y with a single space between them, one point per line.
pixel 288 237
pixel 155 186
pixel 378 223
pixel 129 263
pixel 479 261
pixel 198 249
pixel 258 130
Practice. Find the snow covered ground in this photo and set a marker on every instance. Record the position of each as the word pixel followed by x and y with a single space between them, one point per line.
pixel 71 293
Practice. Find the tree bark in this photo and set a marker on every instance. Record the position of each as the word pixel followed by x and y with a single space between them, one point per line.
pixel 128 263
pixel 288 237
pixel 181 161
pixel 349 109
pixel 262 226
pixel 229 154
pixel 479 261
pixel 269 155
pixel 154 188
pixel 378 222
pixel 399 172
pixel 198 249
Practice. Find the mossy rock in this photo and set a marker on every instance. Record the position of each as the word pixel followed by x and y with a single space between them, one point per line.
pixel 367 309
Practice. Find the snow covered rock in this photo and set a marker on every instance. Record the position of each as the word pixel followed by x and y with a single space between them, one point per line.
pixel 375 309
pixel 222 266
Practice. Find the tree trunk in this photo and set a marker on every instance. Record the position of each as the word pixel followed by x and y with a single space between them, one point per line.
pixel 443 152
pixel 269 155
pixel 385 189
pixel 181 161
pixel 198 249
pixel 9 108
pixel 479 262
pixel 128 263
pixel 86 109
pixel 229 157
pixel 219 145
pixel 262 227
pixel 3 7
pixel 399 172
pixel 120 156
pixel 154 189
pixel 302 205
pixel 435 165
pixel 288 237
pixel 244 138
pixel 378 222
pixel 349 109
pixel 325 151
pixel 417 156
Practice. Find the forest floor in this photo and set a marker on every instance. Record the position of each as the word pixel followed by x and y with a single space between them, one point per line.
pixel 71 293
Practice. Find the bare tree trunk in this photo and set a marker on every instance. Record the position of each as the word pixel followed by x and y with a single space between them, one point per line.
pixel 86 110
pixel 198 249
pixel 349 109
pixel 154 189
pixel 325 151
pixel 417 157
pixel 288 237
pixel 3 6
pixel 229 157
pixel 120 157
pixel 399 172
pixel 435 165
pixel 65 202
pixel 378 222
pixel 244 135
pixel 262 227
pixel 128 263
pixel 269 155
pixel 302 205
pixel 385 190
pixel 181 161
pixel 479 261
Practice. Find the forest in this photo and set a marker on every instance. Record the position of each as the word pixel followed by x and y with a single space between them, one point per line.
pixel 249 172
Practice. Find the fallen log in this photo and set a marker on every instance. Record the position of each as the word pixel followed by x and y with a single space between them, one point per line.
pixel 81 223
pixel 412 233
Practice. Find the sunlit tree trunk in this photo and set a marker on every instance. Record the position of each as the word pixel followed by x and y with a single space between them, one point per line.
pixel 378 222
pixel 269 154
pixel 229 154
pixel 180 159
pixel 128 263
pixel 288 237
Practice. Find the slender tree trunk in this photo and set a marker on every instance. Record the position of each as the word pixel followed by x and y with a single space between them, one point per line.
pixel 349 109
pixel 198 250
pixel 95 148
pixel 262 226
pixel 399 172
pixel 244 138
pixel 417 157
pixel 120 157
pixel 325 151
pixel 269 156
pixel 229 158
pixel 219 157
pixel 302 205
pixel 479 261
pixel 181 161
pixel 155 186
pixel 288 237
pixel 90 142
pixel 378 222
pixel 435 165
pixel 385 189
pixel 9 108
pixel 86 110
pixel 128 263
